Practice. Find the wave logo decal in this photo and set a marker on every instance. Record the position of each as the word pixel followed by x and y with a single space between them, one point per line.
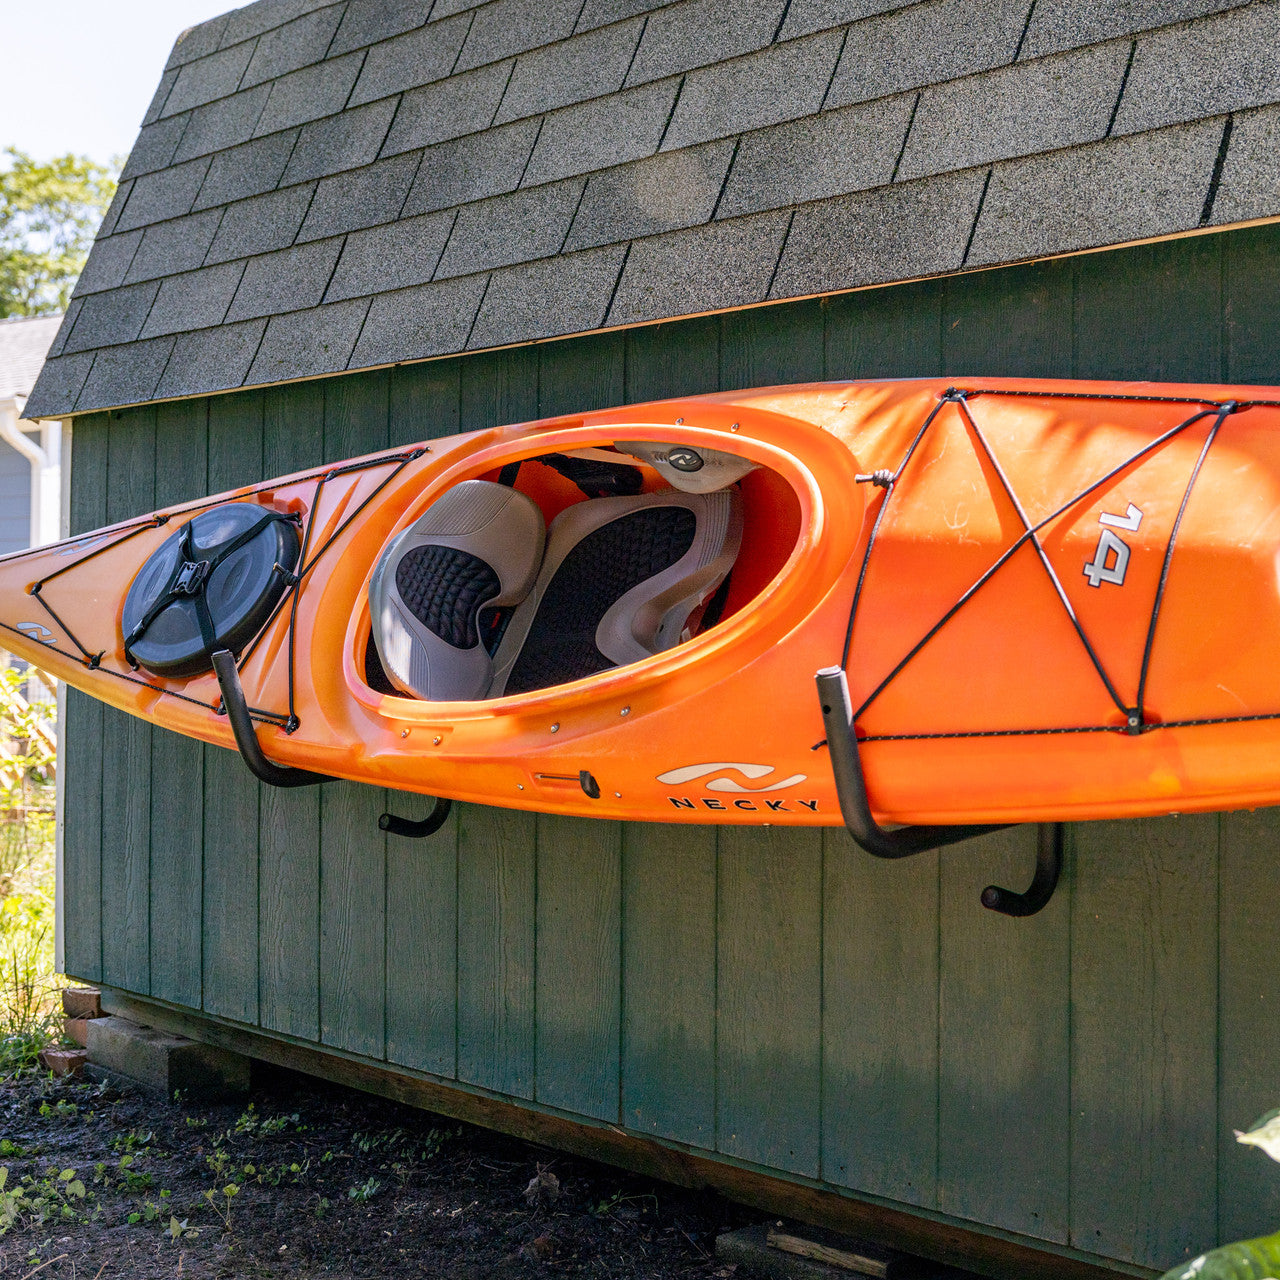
pixel 36 631
pixel 692 772
pixel 750 799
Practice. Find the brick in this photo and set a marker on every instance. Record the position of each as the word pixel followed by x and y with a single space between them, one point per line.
pixel 510 229
pixel 566 295
pixel 59 384
pixel 296 44
pixel 346 141
pixel 247 171
pixel 286 281
pixel 926 44
pixel 82 1002
pixel 108 262
pixel 197 42
pixel 471 168
pixel 222 124
pixel 514 26
pixel 1020 110
pixel 121 376
pixel 394 256
pixel 1067 24
pixel 164 1064
pixel 112 317
pixel 211 359
pixel 155 146
pixel 262 224
pixel 178 245
pixel 833 153
pixel 599 134
pixel 780 83
pixel 702 32
pixel 1250 186
pixel 193 300
pixel 370 21
pixel 76 1030
pixel 410 60
pixel 207 78
pixel 254 19
pixel 447 109
pixel 873 237
pixel 309 94
pixel 1106 193
pixel 707 268
pixel 806 16
pixel 63 1062
pixel 571 71
pixel 413 324
pixel 309 343
pixel 360 198
pixel 664 193
pixel 166 194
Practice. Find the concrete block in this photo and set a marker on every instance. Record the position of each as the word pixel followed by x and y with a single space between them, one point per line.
pixel 680 37
pixel 167 194
pixel 926 44
pixel 63 1062
pixel 666 192
pixel 248 170
pixel 345 141
pixel 1067 24
pixel 77 1030
pixel 1020 110
pixel 116 207
pixel 408 61
pixel 750 1250
pixel 1218 64
pixel 472 168
pixel 1108 192
pixel 308 343
pixel 412 324
pixel 254 19
pixel 573 70
pixel 286 281
pixel 725 264
pixel 155 146
pixel 82 1002
pixel 599 134
pixel 309 94
pixel 211 359
pixel 830 154
pixel 177 245
pixel 297 44
pixel 513 228
pixel 222 124
pixel 164 1064
pixel 1250 186
pixel 447 108
pixel 367 22
pixel 805 16
pixel 507 27
pixel 59 385
pixel 599 13
pixel 394 256
pixel 207 78
pixel 360 197
pixel 193 300
pixel 261 224
pixel 124 375
pixel 111 317
pixel 108 262
pixel 872 237
pixel 567 294
pixel 197 42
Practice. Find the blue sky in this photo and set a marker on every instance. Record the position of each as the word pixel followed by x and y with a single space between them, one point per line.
pixel 79 74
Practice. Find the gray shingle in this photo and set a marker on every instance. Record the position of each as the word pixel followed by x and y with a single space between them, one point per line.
pixel 208 78
pixel 1068 24
pixel 64 329
pixel 471 168
pixel 108 262
pixel 222 124
pixel 346 141
pixel 513 26
pixel 360 197
pixel 726 264
pixel 211 359
pixel 195 300
pixel 58 385
pixel 254 19
pixel 598 13
pixel 158 98
pixel 1215 65
pixel 1250 186
pixel 261 224
pixel 448 108
pixel 1018 110
pixel 892 233
pixel 605 132
pixel 824 155
pixel 806 16
pixel 410 60
pixel 286 281
pixel 168 193
pixel 926 44
pixel 111 317
pixel 390 257
pixel 297 44
pixel 1121 189
pixel 116 207
pixel 668 191
pixel 701 32
pixel 170 247
pixel 779 83
pixel 309 94
pixel 369 21
pixel 248 170
pixel 584 67
pixel 447 8
pixel 548 299
pixel 308 343
pixel 198 41
pixel 512 228
pixel 125 375
pixel 413 324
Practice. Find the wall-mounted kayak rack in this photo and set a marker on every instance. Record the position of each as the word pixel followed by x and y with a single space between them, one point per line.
pixel 902 842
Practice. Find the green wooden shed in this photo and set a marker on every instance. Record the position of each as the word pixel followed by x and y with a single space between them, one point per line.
pixel 350 225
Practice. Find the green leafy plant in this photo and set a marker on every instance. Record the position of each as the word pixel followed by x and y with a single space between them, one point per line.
pixel 59 1196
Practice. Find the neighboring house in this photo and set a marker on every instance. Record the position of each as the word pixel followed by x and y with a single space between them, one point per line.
pixel 30 452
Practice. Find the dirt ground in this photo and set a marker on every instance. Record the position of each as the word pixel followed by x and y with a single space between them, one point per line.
pixel 310 1179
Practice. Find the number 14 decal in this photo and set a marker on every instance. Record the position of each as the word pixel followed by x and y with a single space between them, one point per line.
pixel 1111 560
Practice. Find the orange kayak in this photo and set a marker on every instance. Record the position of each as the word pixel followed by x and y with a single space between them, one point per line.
pixel 1042 600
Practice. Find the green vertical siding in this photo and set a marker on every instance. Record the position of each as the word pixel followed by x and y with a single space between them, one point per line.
pixel 777 997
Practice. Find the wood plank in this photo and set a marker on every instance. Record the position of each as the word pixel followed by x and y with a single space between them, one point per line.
pixel 587 373
pixel 1004 1024
pixel 498 387
pixel 1143 1055
pixel 885 333
pixel 425 401
pixel 879 1022
pixel 769 997
pixel 768 346
pixel 578 957
pixel 1251 276
pixel 681 359
pixel 669 980
pixel 497 889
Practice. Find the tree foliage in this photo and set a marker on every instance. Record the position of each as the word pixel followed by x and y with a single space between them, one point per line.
pixel 48 215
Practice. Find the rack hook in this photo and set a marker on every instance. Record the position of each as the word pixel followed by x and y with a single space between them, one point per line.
pixel 420 829
pixel 1049 845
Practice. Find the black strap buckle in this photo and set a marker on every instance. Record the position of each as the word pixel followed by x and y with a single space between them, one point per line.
pixel 191 578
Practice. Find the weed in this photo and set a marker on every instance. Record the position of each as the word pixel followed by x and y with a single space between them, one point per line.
pixel 366 1191
pixel 323 1205
pixel 58 1196
pixel 222 1207
pixel 254 1125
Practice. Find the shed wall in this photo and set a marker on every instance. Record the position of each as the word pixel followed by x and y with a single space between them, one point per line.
pixel 774 997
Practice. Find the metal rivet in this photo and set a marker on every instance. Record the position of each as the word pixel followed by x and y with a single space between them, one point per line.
pixel 626 711
pixel 555 728
pixel 734 427
pixel 679 421
pixel 617 795
pixel 404 733
pixel 519 786
pixel 437 740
